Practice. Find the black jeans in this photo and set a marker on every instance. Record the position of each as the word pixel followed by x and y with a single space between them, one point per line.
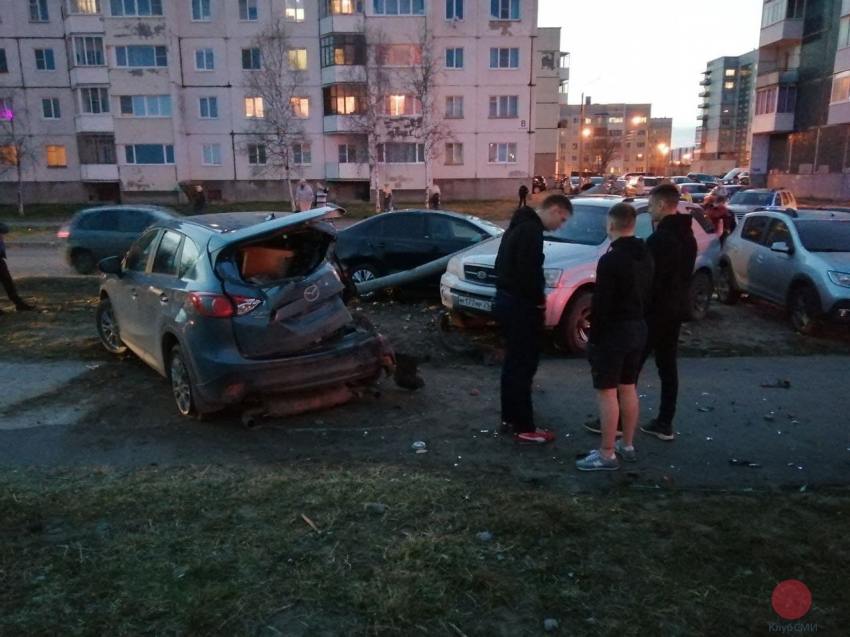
pixel 8 283
pixel 522 325
pixel 663 341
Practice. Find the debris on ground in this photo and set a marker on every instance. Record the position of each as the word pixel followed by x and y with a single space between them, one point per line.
pixel 736 462
pixel 311 523
pixel 420 446
pixel 550 625
pixel 484 536
pixel 377 508
pixel 781 383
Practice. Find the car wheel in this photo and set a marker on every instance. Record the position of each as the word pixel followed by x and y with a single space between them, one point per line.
pixel 574 328
pixel 803 305
pixel 700 296
pixel 83 261
pixel 727 290
pixel 181 383
pixel 362 273
pixel 107 327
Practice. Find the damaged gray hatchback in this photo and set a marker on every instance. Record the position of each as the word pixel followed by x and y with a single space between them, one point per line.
pixel 240 309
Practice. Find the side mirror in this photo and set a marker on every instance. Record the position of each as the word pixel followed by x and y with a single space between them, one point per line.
pixel 110 265
pixel 781 246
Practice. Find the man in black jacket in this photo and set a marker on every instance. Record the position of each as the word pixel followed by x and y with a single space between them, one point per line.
pixel 674 250
pixel 6 277
pixel 520 308
pixel 618 337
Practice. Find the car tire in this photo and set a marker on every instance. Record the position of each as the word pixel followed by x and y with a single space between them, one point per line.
pixel 107 327
pixel 83 261
pixel 804 309
pixel 699 296
pixel 361 273
pixel 182 386
pixel 726 288
pixel 574 327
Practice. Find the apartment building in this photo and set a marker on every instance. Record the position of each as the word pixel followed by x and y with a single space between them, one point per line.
pixel 137 99
pixel 801 121
pixel 727 92
pixel 551 90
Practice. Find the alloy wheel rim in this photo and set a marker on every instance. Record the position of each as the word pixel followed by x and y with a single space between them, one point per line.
pixel 360 276
pixel 180 386
pixel 108 329
pixel 583 327
pixel 800 312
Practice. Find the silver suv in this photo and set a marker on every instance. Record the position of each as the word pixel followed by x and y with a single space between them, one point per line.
pixel 799 260
pixel 752 199
pixel 469 285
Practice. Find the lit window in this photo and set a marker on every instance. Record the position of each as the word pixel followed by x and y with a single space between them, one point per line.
pixel 50 108
pixel 294 11
pixel 401 105
pixel 56 157
pixel 254 107
pixel 8 155
pixel 728 85
pixel 211 155
pixel 730 72
pixel 84 7
pixel 615 120
pixel 300 107
pixel 344 99
pixel 399 54
pixel 248 10
pixel 297 59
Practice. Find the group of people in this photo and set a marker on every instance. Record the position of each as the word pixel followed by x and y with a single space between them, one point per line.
pixel 639 303
pixel 385 197
pixel 306 198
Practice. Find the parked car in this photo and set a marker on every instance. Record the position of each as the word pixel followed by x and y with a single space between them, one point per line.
pixel 571 253
pixel 745 201
pixel 697 191
pixel 641 185
pixel 798 260
pixel 397 241
pixel 538 184
pixel 736 176
pixel 681 179
pixel 236 307
pixel 93 234
pixel 703 178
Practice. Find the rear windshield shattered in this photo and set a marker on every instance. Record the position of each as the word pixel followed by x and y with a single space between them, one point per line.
pixel 273 259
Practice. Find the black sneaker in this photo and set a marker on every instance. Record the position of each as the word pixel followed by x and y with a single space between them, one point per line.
pixel 595 427
pixel 661 430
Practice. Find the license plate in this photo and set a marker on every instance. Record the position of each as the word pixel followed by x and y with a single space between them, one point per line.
pixel 475 304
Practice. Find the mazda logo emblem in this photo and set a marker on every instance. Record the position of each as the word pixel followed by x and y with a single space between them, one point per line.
pixel 311 293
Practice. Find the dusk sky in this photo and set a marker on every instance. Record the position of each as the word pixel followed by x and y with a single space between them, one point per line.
pixel 653 51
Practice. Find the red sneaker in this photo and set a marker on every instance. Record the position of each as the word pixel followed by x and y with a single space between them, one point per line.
pixel 539 437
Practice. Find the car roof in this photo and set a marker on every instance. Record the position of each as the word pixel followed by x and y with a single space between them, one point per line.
pixel 606 200
pixel 144 207
pixel 445 213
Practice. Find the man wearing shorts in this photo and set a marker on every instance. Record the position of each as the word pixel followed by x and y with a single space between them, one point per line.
pixel 618 335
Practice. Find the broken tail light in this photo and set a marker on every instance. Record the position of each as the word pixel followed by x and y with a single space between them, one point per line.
pixel 221 305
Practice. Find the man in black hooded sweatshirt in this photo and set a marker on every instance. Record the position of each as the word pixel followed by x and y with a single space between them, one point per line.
pixel 520 309
pixel 674 250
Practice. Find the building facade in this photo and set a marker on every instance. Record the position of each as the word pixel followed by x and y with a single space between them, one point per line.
pixel 727 92
pixel 551 90
pixel 136 99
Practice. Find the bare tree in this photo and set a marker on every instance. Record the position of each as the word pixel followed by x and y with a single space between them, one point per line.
pixel 16 144
pixel 606 148
pixel 278 119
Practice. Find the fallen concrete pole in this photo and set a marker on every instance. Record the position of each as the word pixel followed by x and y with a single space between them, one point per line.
pixel 408 276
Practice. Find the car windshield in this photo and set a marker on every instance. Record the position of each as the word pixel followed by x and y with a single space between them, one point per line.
pixel 749 198
pixel 585 227
pixel 824 236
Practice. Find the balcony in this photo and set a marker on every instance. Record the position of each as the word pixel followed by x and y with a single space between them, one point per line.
pixel 344 74
pixel 346 171
pixel 84 24
pixel 770 76
pixel 773 123
pixel 705 82
pixel 339 124
pixel 86 75
pixel 564 73
pixel 342 23
pixel 88 123
pixel 783 33
pixel 99 172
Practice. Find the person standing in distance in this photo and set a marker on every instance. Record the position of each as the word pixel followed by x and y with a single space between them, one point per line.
pixel 520 308
pixel 674 251
pixel 523 195
pixel 6 278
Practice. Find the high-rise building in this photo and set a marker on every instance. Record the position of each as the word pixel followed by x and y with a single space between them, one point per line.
pixel 723 136
pixel 133 100
pixel 552 85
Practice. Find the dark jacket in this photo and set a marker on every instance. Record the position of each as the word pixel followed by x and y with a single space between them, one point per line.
pixel 519 264
pixel 674 250
pixel 3 230
pixel 623 289
pixel 523 191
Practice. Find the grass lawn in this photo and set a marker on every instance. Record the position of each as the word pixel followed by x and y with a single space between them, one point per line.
pixel 293 550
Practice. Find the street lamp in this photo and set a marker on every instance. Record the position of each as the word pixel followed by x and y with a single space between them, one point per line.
pixel 586 133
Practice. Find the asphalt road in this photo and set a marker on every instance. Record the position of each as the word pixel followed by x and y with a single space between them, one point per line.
pixel 37 260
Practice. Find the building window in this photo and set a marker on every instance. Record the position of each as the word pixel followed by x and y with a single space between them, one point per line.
pixel 201 10
pixel 141 56
pixel 504 9
pixel 728 86
pixel 257 154
pixel 786 99
pixel 504 153
pixel 615 120
pixel 135 8
pixel 38 11
pixel 56 157
pixel 300 107
pixel 254 107
pixel 729 72
pixel 301 155
pixel 343 49
pixel 96 149
pixel 251 59
pixel 84 7
pixel 204 60
pixel 402 105
pixel 454 154
pixel 248 10
pixel 344 99
pixel 844 33
pixel 44 60
pixel 399 54
pixel 399 7
pixel 401 153
pixel 454 9
pixel 94 101
pixel 454 58
pixel 504 106
pixel 146 105
pixel 297 59
pixel 8 155
pixel 88 51
pixel 347 154
pixel 153 154
pixel 294 11
pixel 50 108
pixel 840 89
pixel 4 67
pixel 208 107
pixel 454 107
pixel 211 155
pixel 504 58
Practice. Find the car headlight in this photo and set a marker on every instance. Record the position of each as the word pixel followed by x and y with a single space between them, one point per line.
pixel 454 267
pixel 840 278
pixel 552 277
